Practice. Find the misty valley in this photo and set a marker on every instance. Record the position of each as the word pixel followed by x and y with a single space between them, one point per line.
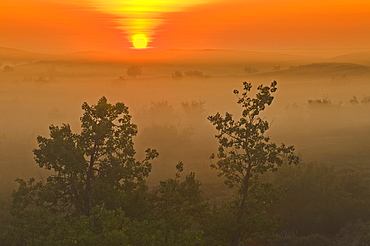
pixel 165 167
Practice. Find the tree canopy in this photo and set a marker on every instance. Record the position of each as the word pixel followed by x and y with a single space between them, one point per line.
pixel 97 192
pixel 92 169
pixel 245 151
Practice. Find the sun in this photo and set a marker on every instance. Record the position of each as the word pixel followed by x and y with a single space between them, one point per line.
pixel 140 41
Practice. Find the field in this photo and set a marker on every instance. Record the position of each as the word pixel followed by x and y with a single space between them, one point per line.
pixel 312 109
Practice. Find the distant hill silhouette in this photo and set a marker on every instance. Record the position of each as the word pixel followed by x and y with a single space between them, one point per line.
pixel 10 54
pixel 325 69
pixel 359 58
pixel 212 56
pixel 200 56
pixel 86 55
pixel 227 57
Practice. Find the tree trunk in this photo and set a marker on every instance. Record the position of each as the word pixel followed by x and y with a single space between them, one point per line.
pixel 87 192
pixel 88 182
pixel 241 210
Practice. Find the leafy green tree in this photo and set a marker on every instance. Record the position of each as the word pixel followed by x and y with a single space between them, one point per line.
pixel 180 203
pixel 245 152
pixel 93 170
pixel 97 193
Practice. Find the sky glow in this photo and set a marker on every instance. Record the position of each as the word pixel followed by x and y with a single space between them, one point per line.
pixel 56 26
pixel 141 17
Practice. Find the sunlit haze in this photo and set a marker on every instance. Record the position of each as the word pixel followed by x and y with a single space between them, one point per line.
pixel 141 17
pixel 66 26
pixel 185 122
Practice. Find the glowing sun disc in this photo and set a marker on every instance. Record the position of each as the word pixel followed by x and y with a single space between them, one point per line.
pixel 140 41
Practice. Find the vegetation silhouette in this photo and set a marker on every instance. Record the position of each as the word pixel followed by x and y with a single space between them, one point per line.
pixel 117 203
pixel 97 194
pixel 245 152
pixel 134 71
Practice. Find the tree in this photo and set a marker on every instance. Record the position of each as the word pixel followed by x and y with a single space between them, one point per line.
pixel 250 70
pixel 193 109
pixel 97 193
pixel 177 75
pixel 245 152
pixel 8 69
pixel 93 170
pixel 180 203
pixel 133 71
pixel 196 74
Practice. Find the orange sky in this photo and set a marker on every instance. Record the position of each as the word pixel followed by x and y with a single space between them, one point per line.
pixel 55 26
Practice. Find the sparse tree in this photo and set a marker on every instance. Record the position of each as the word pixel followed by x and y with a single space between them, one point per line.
pixel 245 152
pixel 8 69
pixel 365 100
pixel 196 74
pixel 193 109
pixel 250 70
pixel 177 75
pixel 134 71
pixel 326 101
pixel 354 101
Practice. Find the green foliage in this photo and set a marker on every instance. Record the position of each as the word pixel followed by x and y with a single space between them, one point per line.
pixel 323 198
pixel 221 222
pixel 243 146
pixel 245 152
pixel 106 228
pixel 5 217
pixel 93 170
pixel 97 193
pixel 180 203
pixel 174 208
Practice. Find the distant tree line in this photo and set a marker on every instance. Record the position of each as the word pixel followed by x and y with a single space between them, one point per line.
pixel 190 74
